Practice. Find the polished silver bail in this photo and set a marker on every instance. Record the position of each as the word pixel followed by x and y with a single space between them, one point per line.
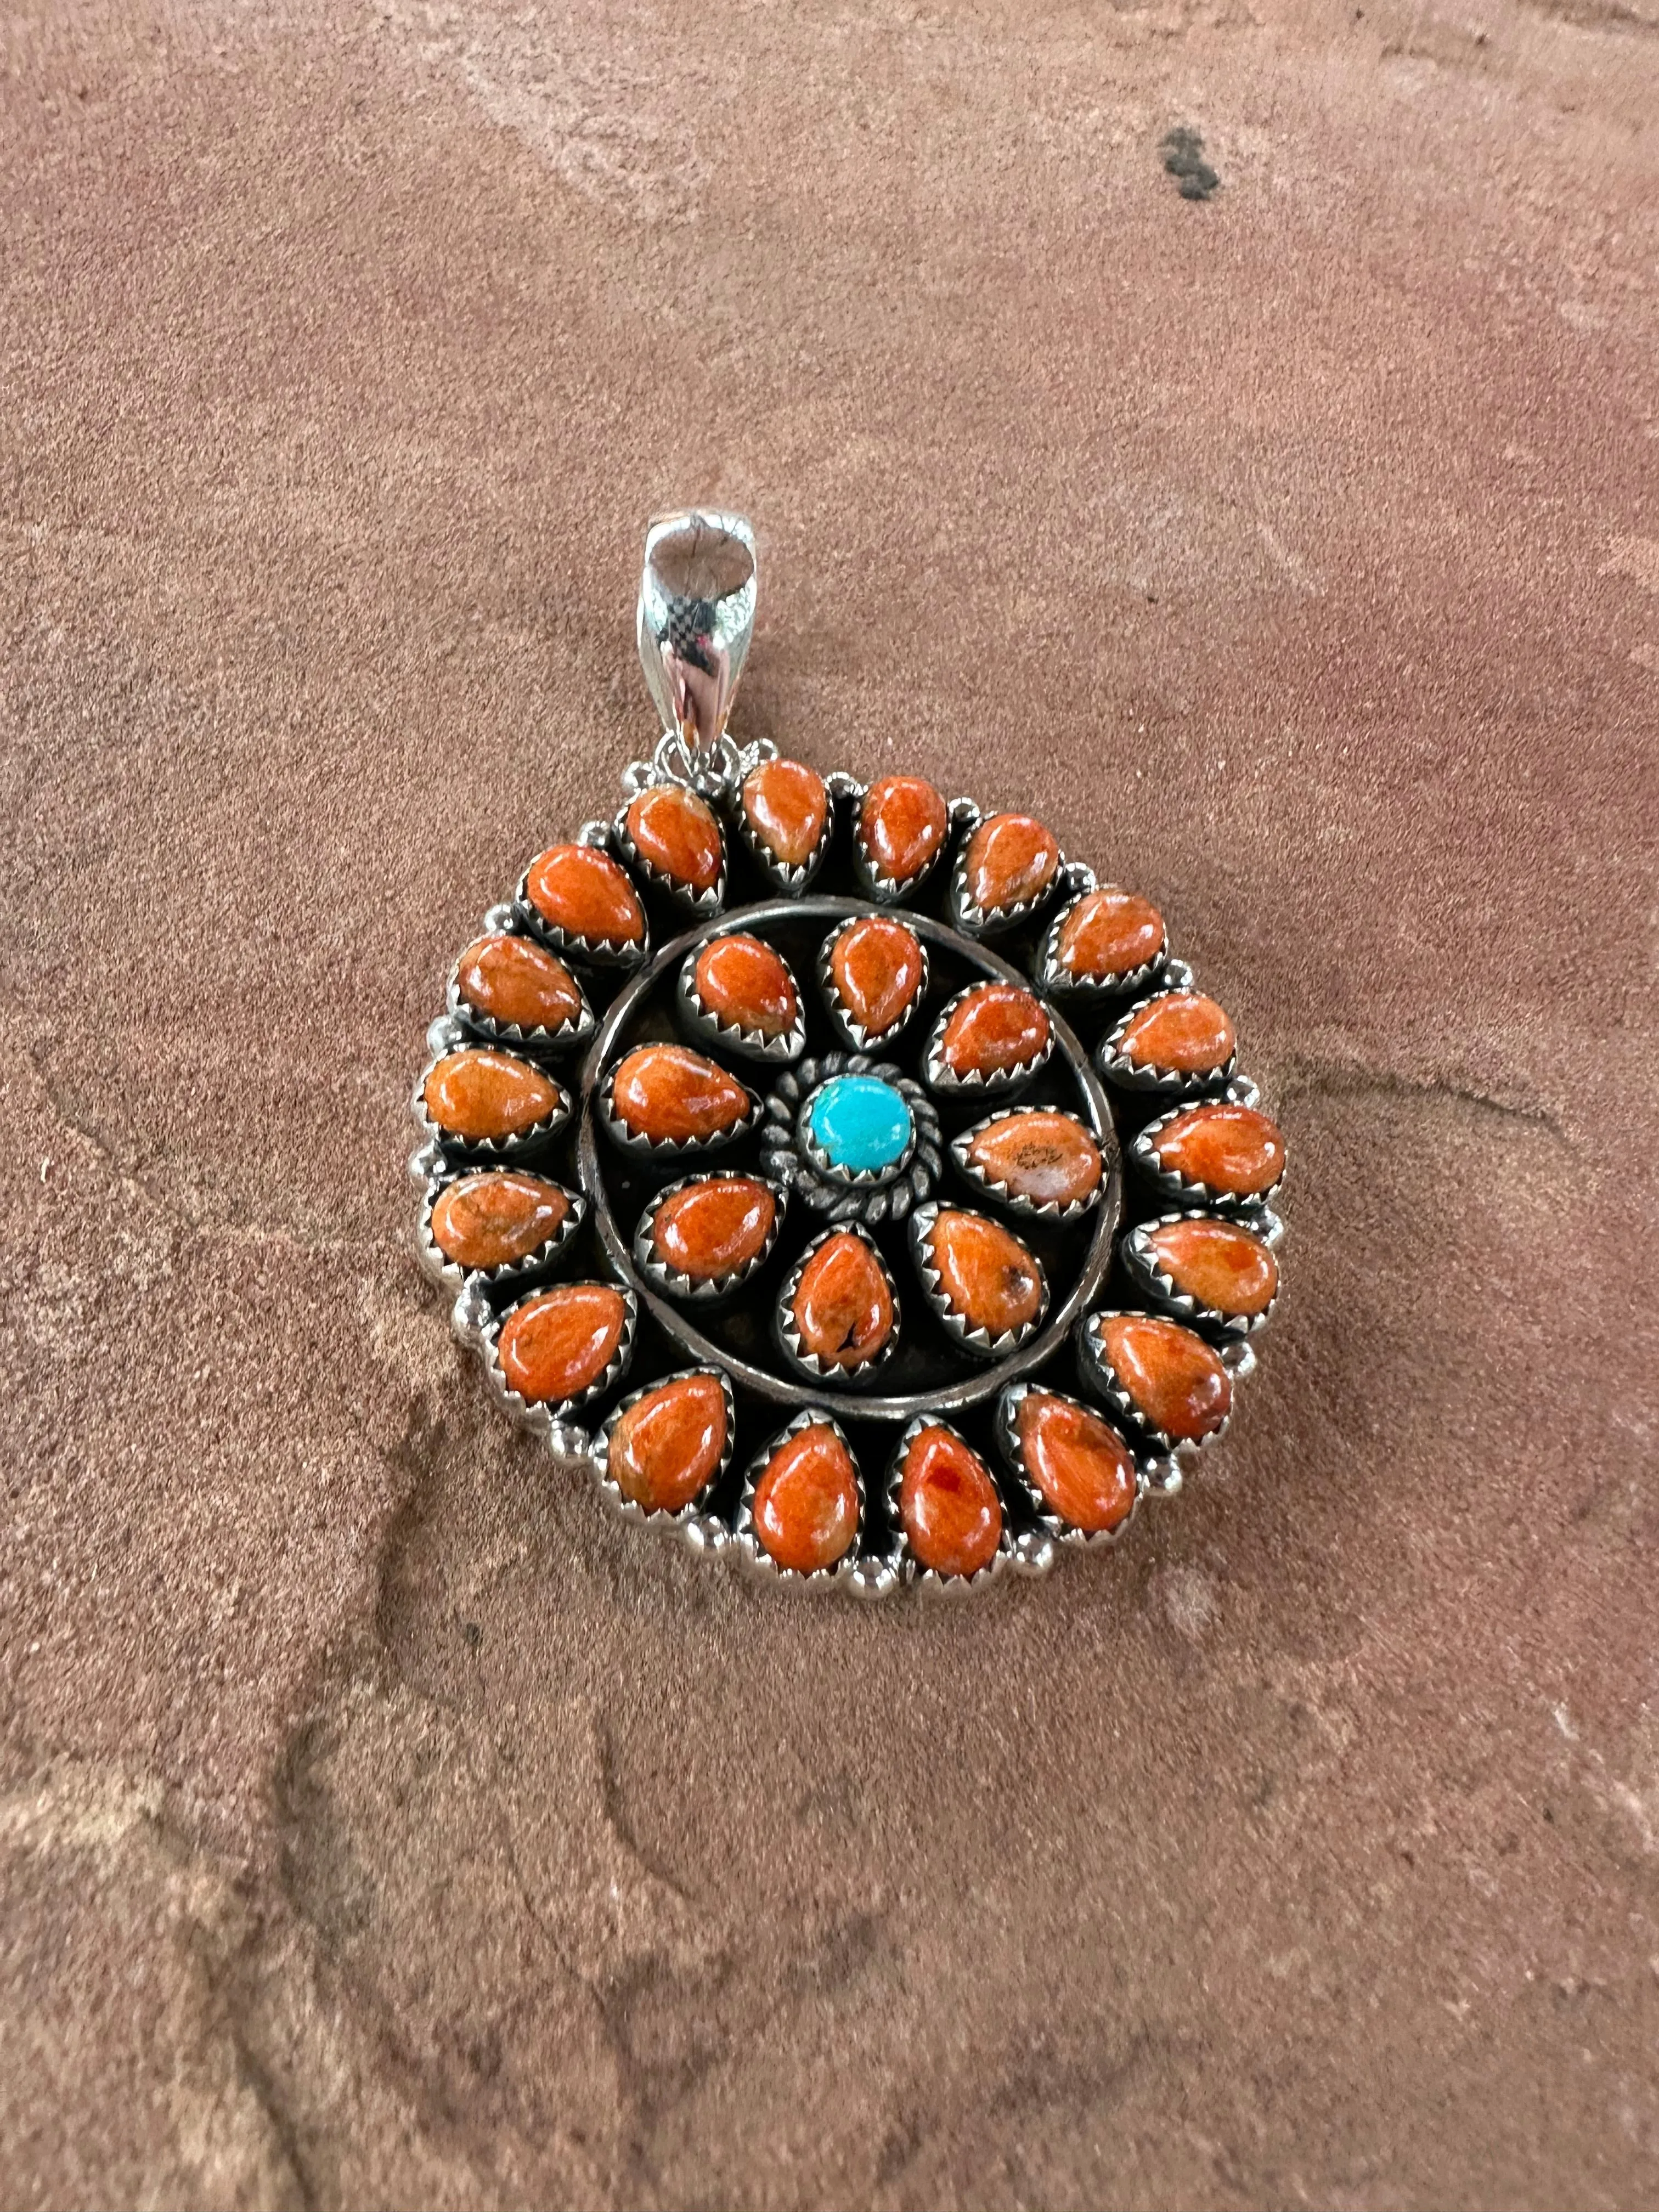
pixel 696 614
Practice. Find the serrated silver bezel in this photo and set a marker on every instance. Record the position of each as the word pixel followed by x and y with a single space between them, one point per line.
pixel 1013 1456
pixel 754 1555
pixel 585 951
pixel 853 1033
pixel 751 1044
pixel 668 1148
pixel 1010 1202
pixel 787 1337
pixel 910 1567
pixel 569 1036
pixel 888 890
pixel 1166 1293
pixel 534 1265
pixel 784 875
pixel 490 1151
pixel 1188 1193
pixel 703 902
pixel 540 1415
pixel 984 923
pixel 1125 1074
pixel 1099 1377
pixel 699 1290
pixel 1000 1083
pixel 691 1520
pixel 978 1341
pixel 1055 982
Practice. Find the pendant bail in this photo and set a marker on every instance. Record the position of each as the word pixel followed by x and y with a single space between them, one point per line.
pixel 696 614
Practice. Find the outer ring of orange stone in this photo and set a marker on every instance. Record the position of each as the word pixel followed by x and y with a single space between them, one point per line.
pixel 986 1378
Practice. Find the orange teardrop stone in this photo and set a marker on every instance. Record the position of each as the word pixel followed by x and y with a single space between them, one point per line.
pixel 515 979
pixel 948 1503
pixel 876 966
pixel 485 1220
pixel 1049 1158
pixel 677 833
pixel 1176 1381
pixel 1225 1267
pixel 741 981
pixel 1085 1470
pixel 806 1509
pixel 1232 1149
pixel 1011 858
pixel 903 821
pixel 994 1029
pixel 785 803
pixel 1183 1033
pixel 710 1229
pixel 480 1095
pixel 986 1274
pixel 555 1344
pixel 1109 932
pixel 666 1447
pixel 664 1092
pixel 843 1308
pixel 582 892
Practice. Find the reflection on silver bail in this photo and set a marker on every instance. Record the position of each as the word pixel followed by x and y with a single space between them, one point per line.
pixel 696 618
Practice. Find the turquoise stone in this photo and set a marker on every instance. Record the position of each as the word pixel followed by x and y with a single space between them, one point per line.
pixel 862 1123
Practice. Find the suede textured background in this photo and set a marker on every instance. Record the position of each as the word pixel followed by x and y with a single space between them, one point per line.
pixel 379 1824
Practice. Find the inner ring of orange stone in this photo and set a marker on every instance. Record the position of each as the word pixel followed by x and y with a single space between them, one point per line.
pixel 788 923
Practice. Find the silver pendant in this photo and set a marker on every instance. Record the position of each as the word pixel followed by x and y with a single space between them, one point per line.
pixel 839 1174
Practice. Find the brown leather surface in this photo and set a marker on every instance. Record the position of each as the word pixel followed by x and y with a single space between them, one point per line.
pixel 379 1824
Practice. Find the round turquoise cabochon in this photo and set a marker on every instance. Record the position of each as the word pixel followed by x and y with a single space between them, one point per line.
pixel 862 1123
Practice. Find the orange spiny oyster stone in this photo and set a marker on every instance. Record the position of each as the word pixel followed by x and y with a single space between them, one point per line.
pixel 713 1227
pixel 1226 1268
pixel 1010 859
pixel 948 1503
pixel 487 1220
pixel 903 821
pixel 1109 932
pixel 515 979
pixel 1175 1383
pixel 876 966
pixel 1049 1158
pixel 677 832
pixel 1083 1467
pixel 1232 1149
pixel 1180 1033
pixel 995 1029
pixel 482 1095
pixel 843 1309
pixel 806 1507
pixel 555 1344
pixel 664 1092
pixel 987 1276
pixel 668 1444
pixel 740 981
pixel 786 805
pixel 582 892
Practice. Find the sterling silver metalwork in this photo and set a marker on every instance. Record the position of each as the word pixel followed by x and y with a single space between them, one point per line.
pixel 695 621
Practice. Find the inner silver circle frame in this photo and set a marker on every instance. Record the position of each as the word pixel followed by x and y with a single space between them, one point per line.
pixel 954 1398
